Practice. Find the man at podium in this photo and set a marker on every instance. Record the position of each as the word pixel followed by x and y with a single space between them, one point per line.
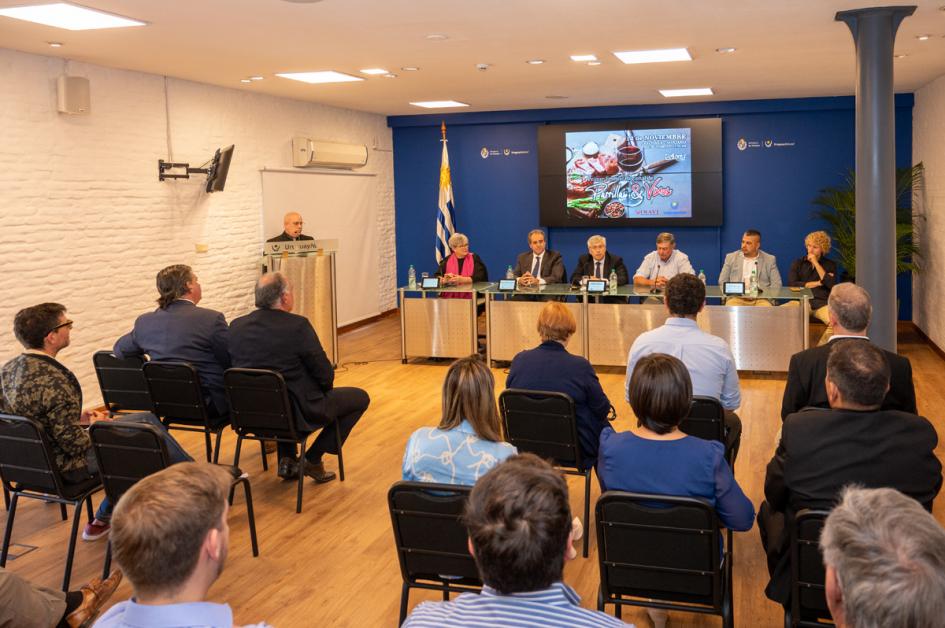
pixel 291 229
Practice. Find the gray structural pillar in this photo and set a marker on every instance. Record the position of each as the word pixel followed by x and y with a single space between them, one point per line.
pixel 874 33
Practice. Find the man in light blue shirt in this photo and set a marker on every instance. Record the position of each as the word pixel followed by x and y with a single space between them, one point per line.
pixel 170 537
pixel 708 358
pixel 663 264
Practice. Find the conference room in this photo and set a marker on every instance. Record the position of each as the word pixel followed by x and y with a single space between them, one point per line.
pixel 221 135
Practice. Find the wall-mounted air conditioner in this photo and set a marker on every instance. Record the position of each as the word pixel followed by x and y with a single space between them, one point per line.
pixel 307 153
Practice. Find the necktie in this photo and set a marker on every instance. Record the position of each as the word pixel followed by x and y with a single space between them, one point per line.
pixel 537 266
pixel 597 270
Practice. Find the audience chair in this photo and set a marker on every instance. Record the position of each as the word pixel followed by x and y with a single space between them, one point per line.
pixel 178 401
pixel 431 539
pixel 663 552
pixel 122 383
pixel 128 452
pixel 808 606
pixel 260 410
pixel 543 423
pixel 28 469
pixel 706 420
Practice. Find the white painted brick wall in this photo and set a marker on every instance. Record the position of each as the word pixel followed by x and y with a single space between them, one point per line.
pixel 85 222
pixel 928 146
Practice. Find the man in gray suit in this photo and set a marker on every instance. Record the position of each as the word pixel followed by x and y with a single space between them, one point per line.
pixel 539 265
pixel 739 266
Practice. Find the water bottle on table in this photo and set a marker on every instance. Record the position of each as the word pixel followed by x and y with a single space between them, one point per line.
pixel 753 284
pixel 702 276
pixel 612 282
pixel 509 273
pixel 411 278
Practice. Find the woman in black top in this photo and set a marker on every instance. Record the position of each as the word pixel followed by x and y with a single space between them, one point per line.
pixel 818 273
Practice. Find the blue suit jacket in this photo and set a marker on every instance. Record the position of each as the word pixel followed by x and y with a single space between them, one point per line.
pixel 550 367
pixel 185 333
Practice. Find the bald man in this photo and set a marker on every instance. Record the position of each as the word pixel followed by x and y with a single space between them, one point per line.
pixel 291 229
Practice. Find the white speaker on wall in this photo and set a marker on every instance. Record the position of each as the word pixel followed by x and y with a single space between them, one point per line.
pixel 73 95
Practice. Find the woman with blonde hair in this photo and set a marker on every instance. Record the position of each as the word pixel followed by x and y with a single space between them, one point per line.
pixel 819 274
pixel 469 439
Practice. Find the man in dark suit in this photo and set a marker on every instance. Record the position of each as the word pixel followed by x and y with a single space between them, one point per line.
pixel 853 442
pixel 291 229
pixel 179 330
pixel 849 310
pixel 271 337
pixel 540 265
pixel 598 262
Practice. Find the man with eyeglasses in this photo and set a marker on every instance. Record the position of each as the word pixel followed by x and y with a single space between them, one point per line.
pixel 291 229
pixel 36 385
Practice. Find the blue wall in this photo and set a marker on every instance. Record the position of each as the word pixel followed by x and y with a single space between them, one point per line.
pixel 765 188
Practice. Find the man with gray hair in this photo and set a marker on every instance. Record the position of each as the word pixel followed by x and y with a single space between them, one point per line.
pixel 849 310
pixel 272 337
pixel 598 262
pixel 540 265
pixel 663 264
pixel 885 561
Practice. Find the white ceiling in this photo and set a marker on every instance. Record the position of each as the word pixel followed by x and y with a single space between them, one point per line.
pixel 790 48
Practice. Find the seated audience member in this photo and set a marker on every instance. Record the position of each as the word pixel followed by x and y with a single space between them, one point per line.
pixel 739 266
pixel 519 523
pixel 36 385
pixel 854 441
pixel 708 358
pixel 663 264
pixel 272 337
pixel 291 229
pixel 539 265
pixel 171 538
pixel 550 367
pixel 469 440
pixel 598 262
pixel 818 273
pixel 885 561
pixel 181 331
pixel 23 605
pixel 461 267
pixel 849 310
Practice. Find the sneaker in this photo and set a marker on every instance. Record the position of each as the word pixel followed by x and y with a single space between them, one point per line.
pixel 316 471
pixel 288 468
pixel 95 530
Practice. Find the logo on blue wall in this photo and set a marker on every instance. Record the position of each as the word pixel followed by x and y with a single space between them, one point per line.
pixel 742 144
pixel 484 152
pixel 768 143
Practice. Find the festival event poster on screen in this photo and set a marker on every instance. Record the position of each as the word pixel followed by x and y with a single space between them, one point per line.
pixel 630 173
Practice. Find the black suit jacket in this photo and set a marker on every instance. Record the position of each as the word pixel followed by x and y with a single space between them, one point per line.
pixel 287 343
pixel 552 266
pixel 585 266
pixel 285 237
pixel 805 382
pixel 821 451
pixel 186 333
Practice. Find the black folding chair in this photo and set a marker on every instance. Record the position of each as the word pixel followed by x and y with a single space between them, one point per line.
pixel 28 469
pixel 663 552
pixel 706 420
pixel 128 452
pixel 543 423
pixel 808 605
pixel 260 410
pixel 178 401
pixel 431 539
pixel 122 382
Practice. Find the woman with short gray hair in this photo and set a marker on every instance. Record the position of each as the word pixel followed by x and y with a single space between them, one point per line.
pixel 461 267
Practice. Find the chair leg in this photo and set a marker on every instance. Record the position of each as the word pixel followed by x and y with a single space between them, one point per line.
pixel 239 446
pixel 587 512
pixel 298 499
pixel 250 516
pixel 108 560
pixel 216 449
pixel 600 599
pixel 9 530
pixel 70 553
pixel 446 595
pixel 207 445
pixel 265 457
pixel 62 511
pixel 404 597
pixel 88 509
pixel 6 498
pixel 341 460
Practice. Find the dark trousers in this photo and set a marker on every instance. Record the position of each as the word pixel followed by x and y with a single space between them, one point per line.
pixel 343 408
pixel 771 526
pixel 733 433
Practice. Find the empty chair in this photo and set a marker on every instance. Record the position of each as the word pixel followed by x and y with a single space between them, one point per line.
pixel 808 602
pixel 122 382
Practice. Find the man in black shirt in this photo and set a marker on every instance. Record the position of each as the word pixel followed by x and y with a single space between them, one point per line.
pixel 818 273
pixel 291 229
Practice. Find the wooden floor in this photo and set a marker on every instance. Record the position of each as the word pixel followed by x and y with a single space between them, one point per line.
pixel 334 564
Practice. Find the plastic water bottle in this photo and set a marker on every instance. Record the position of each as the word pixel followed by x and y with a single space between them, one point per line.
pixel 702 276
pixel 753 284
pixel 411 278
pixel 509 273
pixel 612 282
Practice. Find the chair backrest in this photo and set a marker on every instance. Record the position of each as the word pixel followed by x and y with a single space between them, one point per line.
pixel 706 419
pixel 659 547
pixel 26 458
pixel 259 402
pixel 429 532
pixel 122 382
pixel 175 390
pixel 808 597
pixel 541 422
pixel 126 453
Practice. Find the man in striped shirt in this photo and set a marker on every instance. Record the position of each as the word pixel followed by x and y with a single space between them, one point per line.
pixel 519 522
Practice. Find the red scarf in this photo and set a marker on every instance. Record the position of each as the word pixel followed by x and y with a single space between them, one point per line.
pixel 452 268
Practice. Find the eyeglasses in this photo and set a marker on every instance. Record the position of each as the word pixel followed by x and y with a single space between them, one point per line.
pixel 67 323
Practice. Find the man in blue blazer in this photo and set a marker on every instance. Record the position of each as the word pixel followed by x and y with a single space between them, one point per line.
pixel 180 331
pixel 739 265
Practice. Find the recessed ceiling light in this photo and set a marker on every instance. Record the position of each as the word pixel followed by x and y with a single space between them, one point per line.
pixel 535 61
pixel 900 56
pixel 437 37
pixel 54 44
pixel 438 104
pixel 255 78
pixel 245 81
pixel 923 37
pixel 374 71
pixel 68 16
pixel 328 76
pixel 583 57
pixel 410 68
pixel 556 97
pixel 390 75
pixel 725 50
pixel 593 63
pixel 678 93
pixel 302 1
pixel 654 56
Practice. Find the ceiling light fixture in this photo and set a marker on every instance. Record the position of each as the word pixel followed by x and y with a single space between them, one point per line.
pixel 374 71
pixel 593 63
pixel 900 56
pixel 390 75
pixel 245 81
pixel 438 104
pixel 255 78
pixel 327 76
pixel 654 56
pixel 679 93
pixel 68 16
pixel 583 57
pixel 410 68
pixel 437 37
pixel 54 44
pixel 725 51
pixel 535 61
pixel 923 37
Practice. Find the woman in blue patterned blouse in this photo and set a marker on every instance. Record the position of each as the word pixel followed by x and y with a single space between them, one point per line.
pixel 468 441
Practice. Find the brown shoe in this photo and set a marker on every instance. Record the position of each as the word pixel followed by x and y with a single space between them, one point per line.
pixel 317 472
pixel 94 596
pixel 270 446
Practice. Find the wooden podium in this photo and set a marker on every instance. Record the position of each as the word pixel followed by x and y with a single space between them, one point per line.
pixel 310 267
